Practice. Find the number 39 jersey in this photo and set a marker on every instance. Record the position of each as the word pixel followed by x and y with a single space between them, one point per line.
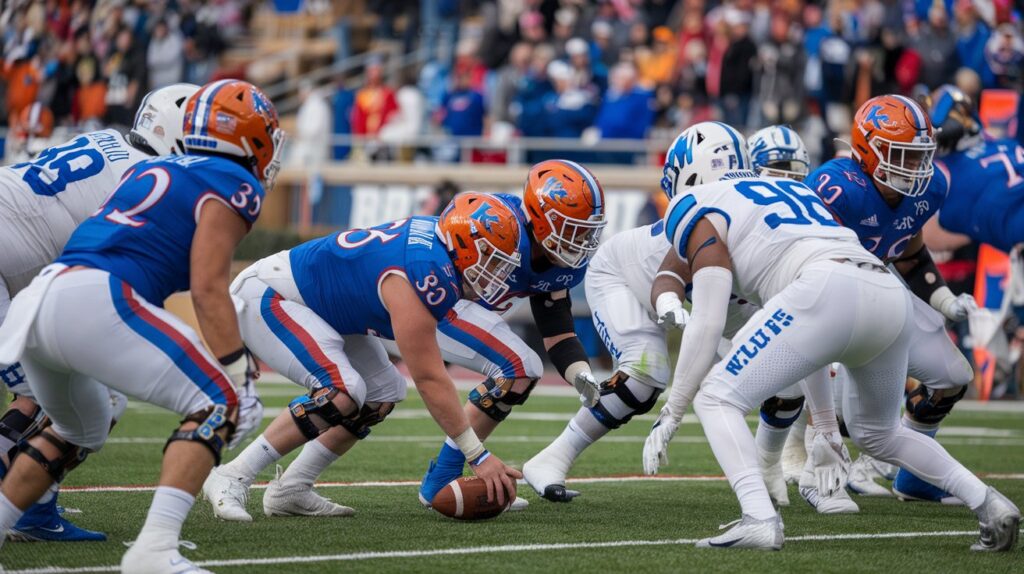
pixel 986 193
pixel 852 198
pixel 143 233
pixel 339 276
pixel 772 227
pixel 78 175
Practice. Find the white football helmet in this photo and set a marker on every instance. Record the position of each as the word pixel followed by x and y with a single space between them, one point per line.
pixel 703 153
pixel 777 151
pixel 160 119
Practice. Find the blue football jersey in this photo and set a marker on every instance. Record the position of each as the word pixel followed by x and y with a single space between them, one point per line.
pixel 529 278
pixel 852 198
pixel 339 276
pixel 986 193
pixel 143 233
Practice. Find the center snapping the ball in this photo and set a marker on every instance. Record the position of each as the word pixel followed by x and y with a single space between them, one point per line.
pixel 465 498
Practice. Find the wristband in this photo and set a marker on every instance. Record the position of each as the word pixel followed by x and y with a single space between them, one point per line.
pixel 575 369
pixel 470 444
pixel 232 357
pixel 481 458
pixel 672 275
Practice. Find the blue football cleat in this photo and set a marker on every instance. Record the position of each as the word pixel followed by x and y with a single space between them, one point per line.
pixel 908 487
pixel 44 523
pixel 448 466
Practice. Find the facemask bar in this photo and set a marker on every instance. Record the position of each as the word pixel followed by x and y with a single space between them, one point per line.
pixel 270 172
pixel 489 275
pixel 789 169
pixel 909 181
pixel 575 241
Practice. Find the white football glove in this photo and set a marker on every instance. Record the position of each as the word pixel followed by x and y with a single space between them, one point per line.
pixel 588 388
pixel 670 310
pixel 956 307
pixel 831 463
pixel 250 414
pixel 656 445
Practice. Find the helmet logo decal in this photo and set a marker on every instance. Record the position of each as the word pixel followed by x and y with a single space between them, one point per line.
pixel 262 106
pixel 483 215
pixel 554 191
pixel 876 118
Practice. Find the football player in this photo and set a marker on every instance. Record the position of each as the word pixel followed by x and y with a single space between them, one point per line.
pixel 171 224
pixel 986 189
pixel 774 241
pixel 398 281
pixel 41 203
pixel 885 193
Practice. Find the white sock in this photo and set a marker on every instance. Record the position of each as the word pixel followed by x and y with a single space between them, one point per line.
pixel 9 516
pixel 573 440
pixel 770 442
pixel 257 456
pixel 49 494
pixel 734 447
pixel 797 431
pixel 166 516
pixel 310 464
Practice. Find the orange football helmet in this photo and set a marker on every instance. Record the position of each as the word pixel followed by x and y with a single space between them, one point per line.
pixel 893 139
pixel 565 206
pixel 235 118
pixel 482 235
pixel 35 121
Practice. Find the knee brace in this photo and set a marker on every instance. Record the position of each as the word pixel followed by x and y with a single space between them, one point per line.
pixel 314 413
pixel 495 398
pixel 210 421
pixel 70 455
pixel 930 406
pixel 372 413
pixel 16 426
pixel 616 388
pixel 781 413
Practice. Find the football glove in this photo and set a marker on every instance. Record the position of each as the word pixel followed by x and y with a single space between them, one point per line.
pixel 588 388
pixel 831 462
pixel 670 311
pixel 656 445
pixel 250 414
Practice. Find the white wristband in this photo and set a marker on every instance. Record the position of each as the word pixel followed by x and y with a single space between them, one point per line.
pixel 575 369
pixel 940 299
pixel 469 444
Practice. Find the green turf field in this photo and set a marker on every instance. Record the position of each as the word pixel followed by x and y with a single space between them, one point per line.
pixel 628 524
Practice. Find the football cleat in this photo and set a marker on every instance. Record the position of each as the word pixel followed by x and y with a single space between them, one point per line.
pixel 908 487
pixel 838 503
pixel 228 495
pixel 44 523
pixel 546 475
pixel 999 520
pixel 748 532
pixel 863 473
pixel 283 499
pixel 157 559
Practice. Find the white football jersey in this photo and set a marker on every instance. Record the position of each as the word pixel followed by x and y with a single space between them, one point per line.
pixel 633 256
pixel 772 227
pixel 77 175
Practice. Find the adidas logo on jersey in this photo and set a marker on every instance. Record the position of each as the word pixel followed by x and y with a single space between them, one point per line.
pixel 870 221
pixel 759 340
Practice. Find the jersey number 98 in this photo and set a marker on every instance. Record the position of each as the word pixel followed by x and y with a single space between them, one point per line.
pixel 798 205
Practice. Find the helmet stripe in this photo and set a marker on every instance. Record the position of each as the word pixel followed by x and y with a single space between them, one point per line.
pixel 785 134
pixel 919 121
pixel 735 142
pixel 202 117
pixel 591 183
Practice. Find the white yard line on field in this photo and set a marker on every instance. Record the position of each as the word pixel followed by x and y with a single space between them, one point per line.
pixel 392 483
pixel 512 548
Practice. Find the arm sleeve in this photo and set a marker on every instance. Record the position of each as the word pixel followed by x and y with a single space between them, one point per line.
pixel 711 290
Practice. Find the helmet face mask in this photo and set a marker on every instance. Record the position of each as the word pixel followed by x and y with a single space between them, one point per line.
pixel 785 169
pixel 482 235
pixel 488 277
pixel 893 141
pixel 778 151
pixel 904 167
pixel 574 241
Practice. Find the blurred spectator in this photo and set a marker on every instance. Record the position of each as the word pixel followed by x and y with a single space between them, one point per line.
pixel 658 64
pixel 972 35
pixel 780 63
pixel 342 105
pixel 374 102
pixel 462 112
pixel 407 123
pixel 564 29
pixel 737 84
pixel 440 20
pixel 312 135
pixel 1004 54
pixel 602 46
pixel 508 81
pixel 626 113
pixel 936 45
pixel 569 109
pixel 531 28
pixel 529 106
pixel 125 70
pixel 91 93
pixel 586 75
pixel 165 56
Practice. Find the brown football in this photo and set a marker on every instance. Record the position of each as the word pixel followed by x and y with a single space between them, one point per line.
pixel 465 498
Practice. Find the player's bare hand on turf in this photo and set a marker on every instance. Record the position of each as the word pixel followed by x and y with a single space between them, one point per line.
pixel 588 388
pixel 500 478
pixel 656 446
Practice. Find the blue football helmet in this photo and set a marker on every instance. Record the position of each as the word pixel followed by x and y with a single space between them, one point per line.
pixel 777 151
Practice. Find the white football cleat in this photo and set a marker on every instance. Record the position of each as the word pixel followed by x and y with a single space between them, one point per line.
pixel 838 503
pixel 283 499
pixel 999 520
pixel 863 473
pixel 826 472
pixel 748 532
pixel 546 475
pixel 519 505
pixel 228 495
pixel 157 559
